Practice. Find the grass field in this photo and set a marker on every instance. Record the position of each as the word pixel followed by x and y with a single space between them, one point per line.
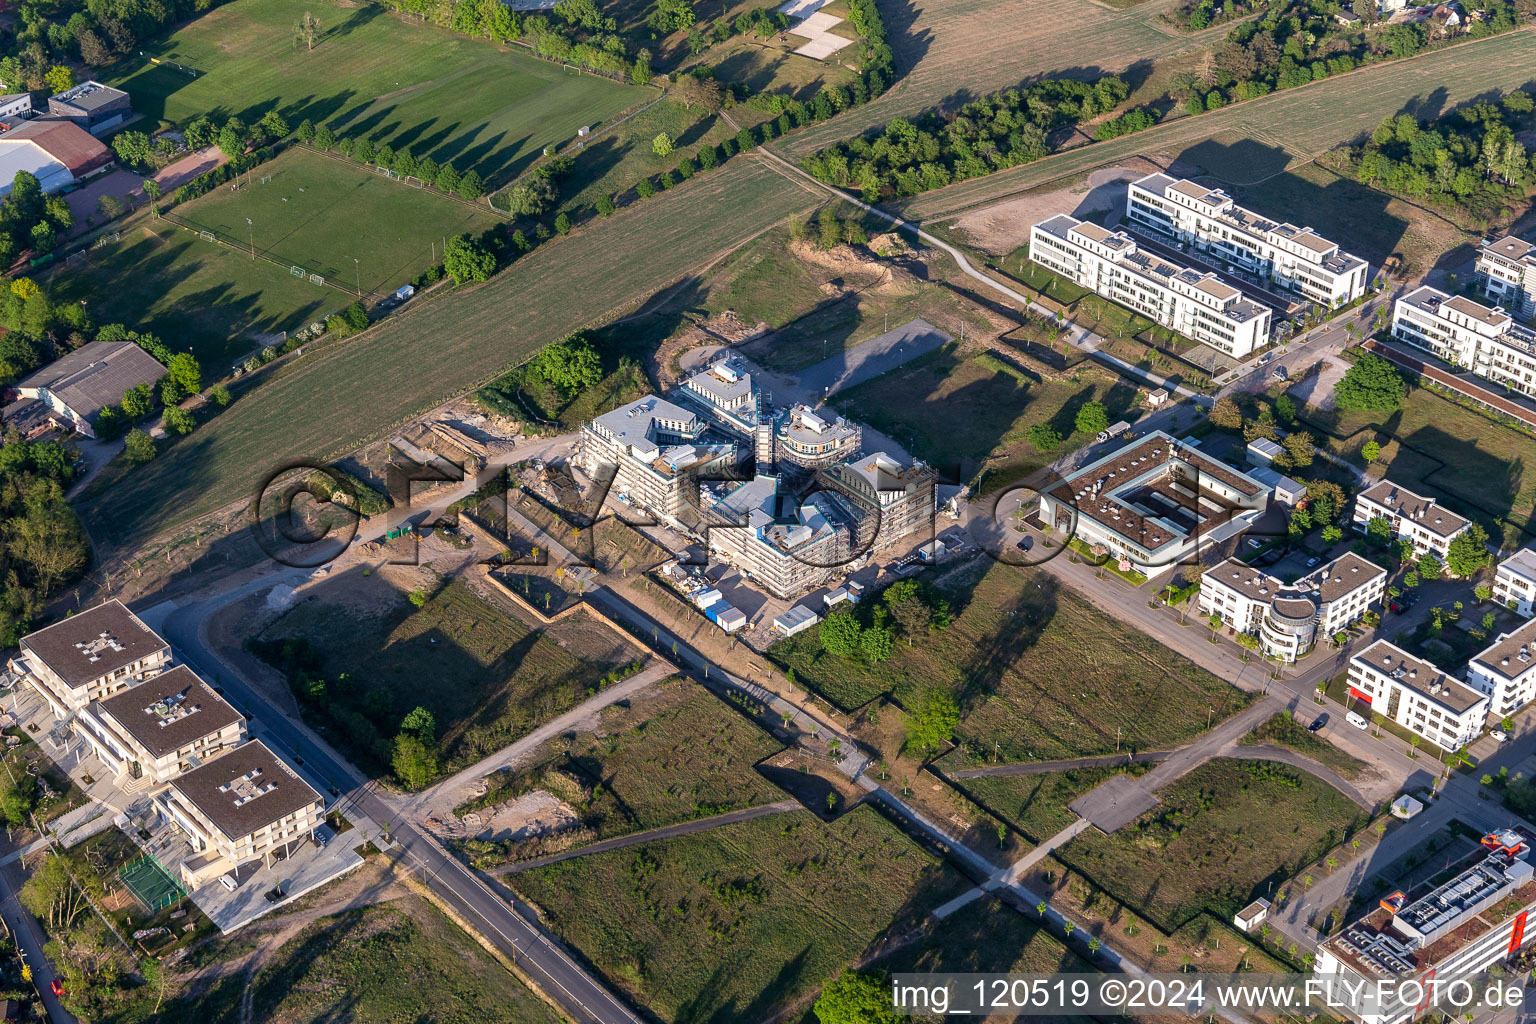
pixel 611 164
pixel 985 937
pixel 679 755
pixel 1243 143
pixel 1225 833
pixel 196 295
pixel 953 411
pixel 401 961
pixel 1480 467
pixel 321 213
pixel 403 83
pixel 733 923
pixel 1285 731
pixel 328 405
pixel 1036 805
pixel 486 677
pixel 1039 672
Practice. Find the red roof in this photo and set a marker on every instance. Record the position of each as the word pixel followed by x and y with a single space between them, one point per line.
pixel 66 142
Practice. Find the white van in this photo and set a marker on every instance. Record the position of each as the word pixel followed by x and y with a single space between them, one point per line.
pixel 228 882
pixel 1356 721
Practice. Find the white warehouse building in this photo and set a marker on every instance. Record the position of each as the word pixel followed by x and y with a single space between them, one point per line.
pixel 1295 258
pixel 1197 304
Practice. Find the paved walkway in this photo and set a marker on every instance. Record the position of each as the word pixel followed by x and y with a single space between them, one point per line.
pixel 1296 759
pixel 685 828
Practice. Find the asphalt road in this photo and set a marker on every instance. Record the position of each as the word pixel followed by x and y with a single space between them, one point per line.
pixel 514 932
pixel 29 940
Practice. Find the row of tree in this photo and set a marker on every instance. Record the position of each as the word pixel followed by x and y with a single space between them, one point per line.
pixel 444 177
pixel 96 32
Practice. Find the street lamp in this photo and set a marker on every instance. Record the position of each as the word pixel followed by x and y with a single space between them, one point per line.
pixel 358 269
pixel 251 225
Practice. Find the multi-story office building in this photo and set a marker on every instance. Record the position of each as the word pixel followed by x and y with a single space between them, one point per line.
pixel 657 452
pixel 1154 503
pixel 1288 619
pixel 90 656
pixel 1469 335
pixel 1421 521
pixel 726 393
pixel 239 808
pixel 1295 258
pixel 812 440
pixel 889 499
pixel 1514 582
pixel 1506 268
pixel 1417 695
pixel 164 726
pixel 1197 304
pixel 784 544
pixel 1506 671
pixel 1456 930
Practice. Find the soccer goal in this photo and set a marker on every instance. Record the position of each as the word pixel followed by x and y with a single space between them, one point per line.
pixel 296 271
pixel 316 279
pixel 266 178
pixel 206 236
pixel 414 181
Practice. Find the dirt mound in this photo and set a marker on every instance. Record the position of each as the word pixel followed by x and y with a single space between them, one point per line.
pixel 724 328
pixel 890 245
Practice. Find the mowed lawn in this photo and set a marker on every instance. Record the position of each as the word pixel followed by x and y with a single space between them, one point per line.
pixel 485 676
pixel 734 923
pixel 1039 674
pixel 1223 834
pixel 340 396
pixel 403 83
pixel 198 296
pixel 321 214
pixel 1036 805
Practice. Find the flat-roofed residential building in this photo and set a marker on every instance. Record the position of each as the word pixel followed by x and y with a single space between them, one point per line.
pixel 1417 695
pixel 726 393
pixel 1197 304
pixel 1506 268
pixel 1289 618
pixel 241 807
pixel 657 452
pixel 1456 930
pixel 1469 335
pixel 809 439
pixel 1506 671
pixel 90 656
pixel 1295 258
pixel 784 544
pixel 889 498
pixel 1154 503
pixel 164 726
pixel 1514 582
pixel 1423 522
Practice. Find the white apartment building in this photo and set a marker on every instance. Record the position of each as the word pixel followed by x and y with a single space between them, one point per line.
pixel 1295 258
pixel 657 452
pixel 1417 695
pixel 1459 929
pixel 1506 671
pixel 90 656
pixel 238 808
pixel 725 392
pixel 1506 268
pixel 1154 503
pixel 783 544
pixel 169 724
pixel 889 498
pixel 1514 582
pixel 1288 619
pixel 1197 304
pixel 1421 521
pixel 1469 335
pixel 811 440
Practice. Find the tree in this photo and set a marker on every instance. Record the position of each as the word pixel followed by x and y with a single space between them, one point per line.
pixel 1468 551
pixel 1299 448
pixel 1332 534
pixel 855 997
pixel 1430 566
pixel 421 723
pixel 201 133
pixel 307 30
pixel 184 370
pixel 933 722
pixel 661 145
pixel 876 643
pixel 604 206
pixel 219 395
pixel 691 91
pixel 1043 436
pixel 414 763
pixel 274 126
pixel 138 447
pixel 562 223
pixel 18 796
pixel 1371 385
pixel 232 138
pixel 531 197
pixel 325 138
pixel 471 185
pixel 465 259
pixel 153 191
pixel 132 147
pixel 840 633
pixel 1092 418
pixel 1226 415
pixel 1370 451
pixel 179 421
pixel 138 401
pixel 1379 529
pixel 913 616
pixel 58 78
pixel 355 316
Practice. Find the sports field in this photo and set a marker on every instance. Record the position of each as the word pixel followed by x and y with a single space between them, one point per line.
pixel 321 214
pixel 462 101
pixel 341 396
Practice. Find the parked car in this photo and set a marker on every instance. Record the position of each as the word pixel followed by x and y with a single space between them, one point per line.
pixel 1356 721
pixel 57 986
pixel 1499 734
pixel 1318 723
pixel 1313 561
pixel 1026 543
pixel 228 882
pixel 1280 373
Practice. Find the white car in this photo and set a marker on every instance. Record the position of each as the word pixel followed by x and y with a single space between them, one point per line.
pixel 1357 721
pixel 1499 734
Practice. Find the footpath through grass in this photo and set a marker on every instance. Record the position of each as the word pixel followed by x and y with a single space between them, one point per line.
pixel 732 924
pixel 1225 833
pixel 372 73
